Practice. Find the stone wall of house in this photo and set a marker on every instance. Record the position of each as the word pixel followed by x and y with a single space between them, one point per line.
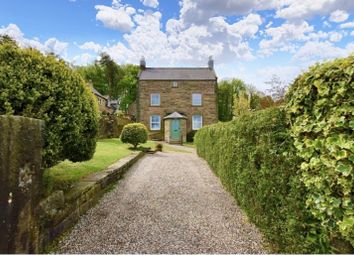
pixel 177 99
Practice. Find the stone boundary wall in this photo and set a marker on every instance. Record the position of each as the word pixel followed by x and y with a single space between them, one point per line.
pixel 111 126
pixel 59 212
pixel 21 141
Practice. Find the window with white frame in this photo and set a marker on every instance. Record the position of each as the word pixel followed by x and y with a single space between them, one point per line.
pixel 155 122
pixel 174 84
pixel 196 99
pixel 197 122
pixel 155 99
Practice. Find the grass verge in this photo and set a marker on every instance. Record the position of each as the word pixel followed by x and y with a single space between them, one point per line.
pixel 65 174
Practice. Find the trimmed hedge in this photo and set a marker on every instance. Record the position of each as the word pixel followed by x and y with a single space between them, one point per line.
pixel 256 161
pixel 135 134
pixel 43 87
pixel 321 108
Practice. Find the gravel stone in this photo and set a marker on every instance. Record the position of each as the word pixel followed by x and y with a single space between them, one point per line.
pixel 166 203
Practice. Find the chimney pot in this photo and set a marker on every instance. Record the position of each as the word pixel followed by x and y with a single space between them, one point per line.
pixel 211 63
pixel 142 63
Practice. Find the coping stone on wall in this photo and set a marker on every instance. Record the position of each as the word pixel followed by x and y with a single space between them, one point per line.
pixel 81 198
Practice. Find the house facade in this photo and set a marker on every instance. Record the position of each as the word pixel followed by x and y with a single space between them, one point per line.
pixel 174 101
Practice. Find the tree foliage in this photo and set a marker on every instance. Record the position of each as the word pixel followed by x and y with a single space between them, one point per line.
pixel 128 85
pixel 227 90
pixel 277 89
pixel 38 86
pixel 113 74
pixel 109 78
pixel 242 104
pixel 235 93
pixel 95 75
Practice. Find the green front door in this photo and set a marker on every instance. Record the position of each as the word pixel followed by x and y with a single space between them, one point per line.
pixel 175 130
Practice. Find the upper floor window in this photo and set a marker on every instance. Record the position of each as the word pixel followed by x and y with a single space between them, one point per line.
pixel 155 122
pixel 197 122
pixel 155 99
pixel 196 99
pixel 174 84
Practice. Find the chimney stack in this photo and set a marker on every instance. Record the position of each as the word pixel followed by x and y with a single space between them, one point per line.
pixel 211 63
pixel 142 63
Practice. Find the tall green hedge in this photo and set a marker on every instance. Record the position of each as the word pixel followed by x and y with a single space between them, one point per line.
pixel 256 161
pixel 321 108
pixel 43 87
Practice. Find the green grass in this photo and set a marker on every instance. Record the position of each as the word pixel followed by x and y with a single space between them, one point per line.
pixel 65 174
pixel 189 144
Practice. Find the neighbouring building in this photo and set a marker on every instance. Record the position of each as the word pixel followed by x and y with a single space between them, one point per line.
pixel 174 101
pixel 104 104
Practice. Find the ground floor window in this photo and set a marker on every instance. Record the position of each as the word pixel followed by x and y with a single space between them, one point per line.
pixel 155 122
pixel 197 122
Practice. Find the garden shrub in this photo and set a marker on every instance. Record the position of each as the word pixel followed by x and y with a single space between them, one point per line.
pixel 159 147
pixel 320 105
pixel 256 161
pixel 44 87
pixel 135 134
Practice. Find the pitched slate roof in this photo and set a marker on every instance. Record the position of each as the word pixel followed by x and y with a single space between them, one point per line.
pixel 160 73
pixel 175 115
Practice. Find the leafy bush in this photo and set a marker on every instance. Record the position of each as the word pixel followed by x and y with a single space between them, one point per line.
pixel 135 134
pixel 256 161
pixel 321 108
pixel 159 147
pixel 43 87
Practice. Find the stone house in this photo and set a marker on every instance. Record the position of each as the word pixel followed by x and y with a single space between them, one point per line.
pixel 104 104
pixel 171 102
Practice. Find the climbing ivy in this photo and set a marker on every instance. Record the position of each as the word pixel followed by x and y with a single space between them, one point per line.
pixel 320 105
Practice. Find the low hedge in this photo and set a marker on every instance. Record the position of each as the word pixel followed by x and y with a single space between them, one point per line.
pixel 320 105
pixel 256 161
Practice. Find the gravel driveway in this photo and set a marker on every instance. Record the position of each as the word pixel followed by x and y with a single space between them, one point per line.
pixel 167 203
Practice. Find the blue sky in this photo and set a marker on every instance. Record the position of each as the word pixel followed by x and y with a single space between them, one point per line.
pixel 249 39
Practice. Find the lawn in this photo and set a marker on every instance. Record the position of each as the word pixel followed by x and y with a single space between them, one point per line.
pixel 108 151
pixel 189 144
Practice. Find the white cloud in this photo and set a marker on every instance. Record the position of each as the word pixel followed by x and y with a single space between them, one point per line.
pixel 282 37
pixel 347 25
pixel 55 46
pixel 338 16
pixel 91 46
pixel 314 51
pixel 83 59
pixel 52 45
pixel 306 9
pixel 150 3
pixel 117 17
pixel 335 36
